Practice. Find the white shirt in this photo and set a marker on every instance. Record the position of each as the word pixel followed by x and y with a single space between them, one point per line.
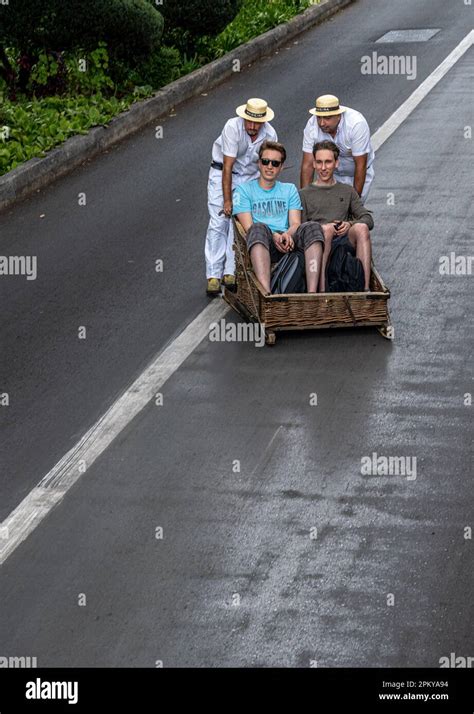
pixel 352 138
pixel 234 141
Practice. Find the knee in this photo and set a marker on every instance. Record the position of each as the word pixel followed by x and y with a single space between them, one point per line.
pixel 316 247
pixel 309 233
pixel 259 231
pixel 361 232
pixel 310 226
pixel 328 232
pixel 258 248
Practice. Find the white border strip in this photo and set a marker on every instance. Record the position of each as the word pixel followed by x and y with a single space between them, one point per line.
pixel 52 488
pixel 403 111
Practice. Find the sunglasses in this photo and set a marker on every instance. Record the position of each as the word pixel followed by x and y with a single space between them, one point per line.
pixel 273 162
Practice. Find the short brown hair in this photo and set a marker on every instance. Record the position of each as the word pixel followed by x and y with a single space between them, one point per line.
pixel 274 146
pixel 329 146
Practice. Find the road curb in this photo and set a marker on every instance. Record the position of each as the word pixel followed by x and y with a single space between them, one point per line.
pixel 37 173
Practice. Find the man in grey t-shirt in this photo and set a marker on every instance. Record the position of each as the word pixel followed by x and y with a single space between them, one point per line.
pixel 339 210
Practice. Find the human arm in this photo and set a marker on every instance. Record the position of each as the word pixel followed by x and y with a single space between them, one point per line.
pixel 341 227
pixel 228 163
pixel 359 213
pixel 230 149
pixel 294 217
pixel 360 172
pixel 245 220
pixel 286 238
pixel 242 206
pixel 360 147
pixel 304 211
pixel 307 169
pixel 307 166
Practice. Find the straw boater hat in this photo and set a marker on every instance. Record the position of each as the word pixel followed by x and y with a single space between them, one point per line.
pixel 327 106
pixel 255 110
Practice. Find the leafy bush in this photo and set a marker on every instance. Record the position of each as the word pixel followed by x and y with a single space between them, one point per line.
pixel 29 127
pixel 89 73
pixel 186 22
pixel 255 18
pixel 36 126
pixel 132 30
pixel 160 68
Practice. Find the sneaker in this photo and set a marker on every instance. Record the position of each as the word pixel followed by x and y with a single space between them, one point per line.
pixel 213 286
pixel 229 282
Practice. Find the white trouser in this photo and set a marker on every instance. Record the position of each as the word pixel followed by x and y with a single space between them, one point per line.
pixel 344 178
pixel 220 233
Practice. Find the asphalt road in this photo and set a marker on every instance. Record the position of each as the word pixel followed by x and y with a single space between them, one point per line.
pixel 237 579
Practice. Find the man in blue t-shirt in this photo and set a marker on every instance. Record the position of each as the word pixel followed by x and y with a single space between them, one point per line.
pixel 270 213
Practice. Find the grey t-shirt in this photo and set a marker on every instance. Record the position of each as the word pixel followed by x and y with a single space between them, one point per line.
pixel 338 202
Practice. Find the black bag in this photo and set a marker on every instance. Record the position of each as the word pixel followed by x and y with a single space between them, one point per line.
pixel 289 275
pixel 345 273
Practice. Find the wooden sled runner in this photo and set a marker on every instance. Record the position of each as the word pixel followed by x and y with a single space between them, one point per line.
pixel 303 311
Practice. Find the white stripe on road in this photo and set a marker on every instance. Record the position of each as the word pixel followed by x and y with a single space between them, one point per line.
pixel 53 487
pixel 399 116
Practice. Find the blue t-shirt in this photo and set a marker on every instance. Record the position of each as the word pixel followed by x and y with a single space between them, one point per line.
pixel 267 206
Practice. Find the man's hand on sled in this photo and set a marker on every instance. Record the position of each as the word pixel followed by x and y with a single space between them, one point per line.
pixel 283 242
pixel 341 227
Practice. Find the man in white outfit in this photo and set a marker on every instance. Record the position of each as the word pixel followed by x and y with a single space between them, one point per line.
pixel 234 161
pixel 349 130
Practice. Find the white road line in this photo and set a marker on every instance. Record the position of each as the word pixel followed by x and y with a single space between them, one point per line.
pixel 403 111
pixel 53 487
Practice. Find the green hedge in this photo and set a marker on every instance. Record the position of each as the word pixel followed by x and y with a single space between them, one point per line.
pixel 132 30
pixel 187 22
pixel 255 18
pixel 36 123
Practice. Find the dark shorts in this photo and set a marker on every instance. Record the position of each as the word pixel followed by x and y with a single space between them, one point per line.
pixel 307 234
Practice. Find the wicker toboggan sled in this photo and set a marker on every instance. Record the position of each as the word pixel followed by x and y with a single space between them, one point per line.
pixel 303 311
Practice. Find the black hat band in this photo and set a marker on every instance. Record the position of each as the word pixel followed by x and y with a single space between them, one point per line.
pixel 255 115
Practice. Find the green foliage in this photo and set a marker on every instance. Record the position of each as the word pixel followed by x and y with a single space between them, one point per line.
pixel 127 26
pixel 37 122
pixel 132 29
pixel 185 22
pixel 36 126
pixel 71 73
pixel 89 74
pixel 255 18
pixel 160 68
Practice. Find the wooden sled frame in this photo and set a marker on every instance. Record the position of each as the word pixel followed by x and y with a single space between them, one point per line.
pixel 304 311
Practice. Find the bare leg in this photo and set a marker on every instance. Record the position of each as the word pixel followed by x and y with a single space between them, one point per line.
pixel 329 233
pixel 260 257
pixel 313 256
pixel 359 237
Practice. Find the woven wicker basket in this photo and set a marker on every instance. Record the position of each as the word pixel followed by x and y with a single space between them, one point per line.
pixel 303 311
